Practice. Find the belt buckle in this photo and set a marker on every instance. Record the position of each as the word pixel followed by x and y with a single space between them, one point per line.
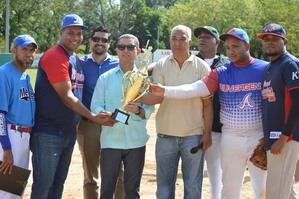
pixel 18 128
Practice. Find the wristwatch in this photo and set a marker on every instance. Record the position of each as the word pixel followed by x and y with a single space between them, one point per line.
pixel 139 110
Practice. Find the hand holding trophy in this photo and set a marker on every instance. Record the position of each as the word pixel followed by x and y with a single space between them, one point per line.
pixel 135 84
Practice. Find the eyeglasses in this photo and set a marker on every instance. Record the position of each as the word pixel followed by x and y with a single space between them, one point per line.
pixel 122 47
pixel 102 39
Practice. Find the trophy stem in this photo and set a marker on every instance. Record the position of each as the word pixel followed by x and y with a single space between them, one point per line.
pixel 137 98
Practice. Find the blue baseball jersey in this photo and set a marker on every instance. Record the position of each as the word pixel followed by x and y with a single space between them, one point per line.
pixel 240 94
pixel 17 96
pixel 281 77
pixel 92 71
pixel 17 103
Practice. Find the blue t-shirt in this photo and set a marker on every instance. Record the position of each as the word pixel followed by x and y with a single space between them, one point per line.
pixel 240 94
pixel 92 71
pixel 52 116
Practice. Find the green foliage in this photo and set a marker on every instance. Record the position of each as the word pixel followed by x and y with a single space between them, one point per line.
pixel 251 15
pixel 150 19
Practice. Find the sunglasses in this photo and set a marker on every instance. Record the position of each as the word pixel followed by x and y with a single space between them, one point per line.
pixel 97 39
pixel 122 47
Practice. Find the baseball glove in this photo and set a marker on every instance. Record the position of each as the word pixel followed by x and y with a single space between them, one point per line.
pixel 259 156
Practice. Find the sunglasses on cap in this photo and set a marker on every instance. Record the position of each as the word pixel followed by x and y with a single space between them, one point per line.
pixel 97 39
pixel 122 47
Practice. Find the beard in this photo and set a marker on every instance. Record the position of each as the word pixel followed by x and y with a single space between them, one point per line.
pixel 99 51
pixel 271 54
pixel 24 64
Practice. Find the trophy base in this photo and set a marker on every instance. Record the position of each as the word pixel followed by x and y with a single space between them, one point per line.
pixel 120 116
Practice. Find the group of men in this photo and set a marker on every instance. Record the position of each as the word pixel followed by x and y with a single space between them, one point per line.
pixel 258 100
pixel 226 108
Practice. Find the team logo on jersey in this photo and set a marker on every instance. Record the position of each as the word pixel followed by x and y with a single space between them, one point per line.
pixel 26 94
pixel 2 125
pixel 295 75
pixel 247 102
pixel 268 94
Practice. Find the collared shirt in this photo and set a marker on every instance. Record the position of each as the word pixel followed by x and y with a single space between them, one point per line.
pixel 108 95
pixel 176 117
pixel 92 70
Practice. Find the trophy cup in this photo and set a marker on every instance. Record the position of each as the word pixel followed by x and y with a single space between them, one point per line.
pixel 135 84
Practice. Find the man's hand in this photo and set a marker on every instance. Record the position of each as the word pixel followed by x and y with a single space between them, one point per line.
pixel 132 107
pixel 206 141
pixel 104 118
pixel 157 90
pixel 7 163
pixel 278 145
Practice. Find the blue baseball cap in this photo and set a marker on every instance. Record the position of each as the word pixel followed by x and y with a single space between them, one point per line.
pixel 23 41
pixel 273 29
pixel 72 20
pixel 237 33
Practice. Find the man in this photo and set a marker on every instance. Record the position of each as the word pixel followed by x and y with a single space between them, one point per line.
pixel 179 127
pixel 17 107
pixel 121 144
pixel 94 64
pixel 58 88
pixel 280 112
pixel 239 86
pixel 208 41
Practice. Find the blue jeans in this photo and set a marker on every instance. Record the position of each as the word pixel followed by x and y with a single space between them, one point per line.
pixel 51 157
pixel 169 150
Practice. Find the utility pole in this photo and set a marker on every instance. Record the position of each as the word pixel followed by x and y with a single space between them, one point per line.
pixel 7 27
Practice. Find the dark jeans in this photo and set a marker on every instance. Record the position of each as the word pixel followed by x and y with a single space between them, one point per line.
pixel 51 157
pixel 110 164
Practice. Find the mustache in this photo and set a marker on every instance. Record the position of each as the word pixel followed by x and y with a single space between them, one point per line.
pixel 99 45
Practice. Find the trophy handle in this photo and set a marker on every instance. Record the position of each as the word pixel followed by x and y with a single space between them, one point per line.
pixel 146 88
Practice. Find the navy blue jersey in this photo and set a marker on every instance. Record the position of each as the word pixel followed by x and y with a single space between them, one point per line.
pixel 52 116
pixel 281 77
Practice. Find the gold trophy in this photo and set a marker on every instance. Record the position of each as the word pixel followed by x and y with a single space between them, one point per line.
pixel 135 84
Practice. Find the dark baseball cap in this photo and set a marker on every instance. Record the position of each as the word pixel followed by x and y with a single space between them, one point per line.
pixel 72 20
pixel 23 41
pixel 237 33
pixel 210 29
pixel 273 29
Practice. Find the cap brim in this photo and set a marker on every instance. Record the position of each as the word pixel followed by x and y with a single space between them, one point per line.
pixel 83 27
pixel 25 45
pixel 223 37
pixel 262 35
pixel 199 30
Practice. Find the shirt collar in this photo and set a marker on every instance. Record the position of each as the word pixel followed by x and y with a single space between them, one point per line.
pixel 190 58
pixel 119 69
pixel 89 57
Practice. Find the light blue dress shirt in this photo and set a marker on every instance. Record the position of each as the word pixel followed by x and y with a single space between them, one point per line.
pixel 107 96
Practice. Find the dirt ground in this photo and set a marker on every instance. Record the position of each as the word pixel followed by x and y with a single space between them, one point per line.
pixel 73 185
